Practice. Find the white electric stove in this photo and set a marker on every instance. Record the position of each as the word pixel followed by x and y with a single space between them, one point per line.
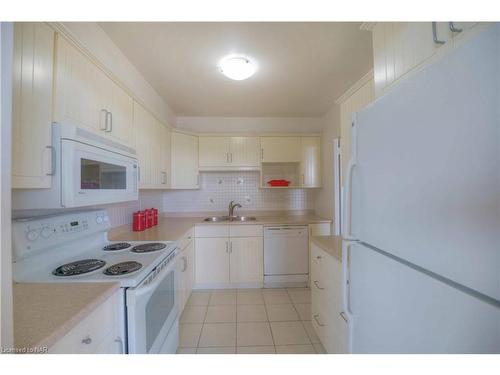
pixel 74 247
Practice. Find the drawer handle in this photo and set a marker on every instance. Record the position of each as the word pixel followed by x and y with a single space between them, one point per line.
pixel 318 257
pixel 317 285
pixel 342 314
pixel 87 340
pixel 317 321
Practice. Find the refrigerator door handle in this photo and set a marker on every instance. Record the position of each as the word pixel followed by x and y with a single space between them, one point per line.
pixel 347 202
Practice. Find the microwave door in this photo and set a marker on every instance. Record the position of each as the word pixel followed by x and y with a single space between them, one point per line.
pixel 91 175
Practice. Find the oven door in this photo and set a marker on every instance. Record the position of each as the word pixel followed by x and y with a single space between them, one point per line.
pixel 91 175
pixel 152 309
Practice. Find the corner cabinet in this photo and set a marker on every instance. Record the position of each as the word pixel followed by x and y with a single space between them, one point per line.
pixel 32 105
pixel 184 161
pixel 87 97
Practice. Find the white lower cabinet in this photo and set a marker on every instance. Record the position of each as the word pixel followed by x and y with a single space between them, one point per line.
pixel 229 256
pixel 246 260
pixel 101 332
pixel 326 297
pixel 212 260
pixel 185 270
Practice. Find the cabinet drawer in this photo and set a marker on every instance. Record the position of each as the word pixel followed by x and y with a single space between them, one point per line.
pixel 90 333
pixel 245 230
pixel 212 230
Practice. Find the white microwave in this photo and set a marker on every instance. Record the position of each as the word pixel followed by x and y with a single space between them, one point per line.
pixel 87 170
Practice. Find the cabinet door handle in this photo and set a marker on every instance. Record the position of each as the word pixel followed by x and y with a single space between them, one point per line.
pixel 227 247
pixel 110 122
pixel 317 321
pixel 230 247
pixel 453 29
pixel 52 160
pixel 184 259
pixel 342 314
pixel 230 157
pixel 119 341
pixel 434 34
pixel 227 157
pixel 105 120
pixel 87 340
pixel 317 285
pixel 164 178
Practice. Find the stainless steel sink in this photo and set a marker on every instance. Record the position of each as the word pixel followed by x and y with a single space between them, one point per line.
pixel 243 218
pixel 216 219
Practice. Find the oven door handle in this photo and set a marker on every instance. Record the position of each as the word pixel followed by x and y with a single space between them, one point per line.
pixel 146 288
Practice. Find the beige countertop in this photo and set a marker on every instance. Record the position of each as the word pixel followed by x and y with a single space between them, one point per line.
pixel 332 245
pixel 45 312
pixel 172 228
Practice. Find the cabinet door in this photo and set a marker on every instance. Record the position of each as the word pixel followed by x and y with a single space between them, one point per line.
pixel 32 105
pixel 184 161
pixel 190 269
pixel 244 151
pixel 146 138
pixel 212 260
pixel 247 260
pixel 280 149
pixel 311 161
pixel 120 125
pixel 214 152
pixel 82 90
pixel 165 156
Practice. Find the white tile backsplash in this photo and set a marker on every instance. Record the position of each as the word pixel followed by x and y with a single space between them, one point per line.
pixel 219 188
pixel 121 213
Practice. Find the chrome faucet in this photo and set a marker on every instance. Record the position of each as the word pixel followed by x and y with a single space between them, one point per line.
pixel 232 206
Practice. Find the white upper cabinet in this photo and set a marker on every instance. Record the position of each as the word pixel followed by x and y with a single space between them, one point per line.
pixel 244 151
pixel 310 165
pixel 214 152
pixel 153 150
pixel 86 97
pixel 400 47
pixel 280 149
pixel 32 105
pixel 229 153
pixel 184 161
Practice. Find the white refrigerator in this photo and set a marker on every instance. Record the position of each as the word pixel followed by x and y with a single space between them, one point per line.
pixel 421 226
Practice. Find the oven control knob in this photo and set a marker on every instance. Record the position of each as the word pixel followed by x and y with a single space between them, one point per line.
pixel 32 235
pixel 46 232
pixel 99 219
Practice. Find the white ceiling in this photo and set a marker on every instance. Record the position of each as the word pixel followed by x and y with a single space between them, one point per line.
pixel 303 67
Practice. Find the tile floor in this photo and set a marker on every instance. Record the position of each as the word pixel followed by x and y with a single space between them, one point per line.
pixel 251 321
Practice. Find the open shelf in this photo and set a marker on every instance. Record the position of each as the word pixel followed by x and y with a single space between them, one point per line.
pixel 280 171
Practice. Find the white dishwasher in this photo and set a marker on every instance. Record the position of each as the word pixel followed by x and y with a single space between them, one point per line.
pixel 286 255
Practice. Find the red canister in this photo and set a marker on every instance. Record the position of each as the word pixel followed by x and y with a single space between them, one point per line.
pixel 149 218
pixel 155 216
pixel 138 223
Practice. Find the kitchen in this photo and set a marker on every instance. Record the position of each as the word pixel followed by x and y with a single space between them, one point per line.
pixel 238 188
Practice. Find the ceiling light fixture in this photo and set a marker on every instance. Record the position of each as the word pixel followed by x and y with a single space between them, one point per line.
pixel 237 67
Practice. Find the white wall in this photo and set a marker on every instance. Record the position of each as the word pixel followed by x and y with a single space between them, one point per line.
pixel 6 51
pixel 250 124
pixel 219 188
pixel 96 41
pixel 324 205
